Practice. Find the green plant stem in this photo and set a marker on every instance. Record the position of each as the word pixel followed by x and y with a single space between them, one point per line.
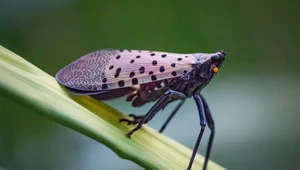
pixel 92 118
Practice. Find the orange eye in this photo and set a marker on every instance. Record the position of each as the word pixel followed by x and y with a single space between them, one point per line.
pixel 216 69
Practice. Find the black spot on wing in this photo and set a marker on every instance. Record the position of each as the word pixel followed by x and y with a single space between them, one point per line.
pixel 134 81
pixel 162 69
pixel 142 69
pixel 118 71
pixel 104 86
pixel 131 74
pixel 117 75
pixel 153 78
pixel 121 83
pixel 174 73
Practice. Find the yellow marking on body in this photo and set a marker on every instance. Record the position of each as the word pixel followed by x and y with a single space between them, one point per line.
pixel 216 69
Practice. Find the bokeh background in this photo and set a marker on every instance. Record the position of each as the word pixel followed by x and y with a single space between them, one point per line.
pixel 254 98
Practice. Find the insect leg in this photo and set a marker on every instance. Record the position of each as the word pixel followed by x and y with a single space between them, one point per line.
pixel 154 109
pixel 138 118
pixel 211 126
pixel 173 95
pixel 162 102
pixel 171 115
pixel 200 107
pixel 145 118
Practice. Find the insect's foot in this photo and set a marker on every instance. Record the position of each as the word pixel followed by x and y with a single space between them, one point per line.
pixel 130 122
pixel 126 120
pixel 123 120
pixel 135 116
pixel 128 136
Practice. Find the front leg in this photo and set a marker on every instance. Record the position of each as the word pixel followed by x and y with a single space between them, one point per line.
pixel 211 126
pixel 201 112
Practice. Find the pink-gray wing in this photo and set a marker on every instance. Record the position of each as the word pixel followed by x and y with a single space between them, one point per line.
pixel 113 69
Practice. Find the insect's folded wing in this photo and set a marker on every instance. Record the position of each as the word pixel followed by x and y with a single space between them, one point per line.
pixel 113 69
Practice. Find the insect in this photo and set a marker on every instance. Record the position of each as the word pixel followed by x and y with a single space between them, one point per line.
pixel 146 76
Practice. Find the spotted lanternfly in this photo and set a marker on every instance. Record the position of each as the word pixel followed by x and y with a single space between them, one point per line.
pixel 146 76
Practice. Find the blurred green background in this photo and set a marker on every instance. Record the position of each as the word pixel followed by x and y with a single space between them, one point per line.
pixel 254 98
